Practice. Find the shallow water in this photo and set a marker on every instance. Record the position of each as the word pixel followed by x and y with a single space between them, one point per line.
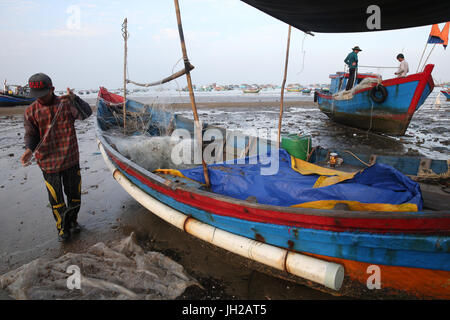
pixel 428 133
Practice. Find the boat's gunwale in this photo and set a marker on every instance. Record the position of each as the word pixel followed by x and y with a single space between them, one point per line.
pixel 392 82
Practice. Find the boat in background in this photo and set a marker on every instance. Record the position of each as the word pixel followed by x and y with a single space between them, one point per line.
pixel 384 106
pixel 19 96
pixel 333 249
pixel 11 100
pixel 306 91
pixel 446 93
pixel 251 90
pixel 293 89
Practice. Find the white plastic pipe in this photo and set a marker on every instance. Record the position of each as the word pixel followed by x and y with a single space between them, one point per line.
pixel 326 273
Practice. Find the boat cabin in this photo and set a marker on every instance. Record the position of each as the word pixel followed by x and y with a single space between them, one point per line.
pixel 339 80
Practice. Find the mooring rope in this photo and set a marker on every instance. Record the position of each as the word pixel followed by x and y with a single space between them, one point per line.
pixel 304 52
pixel 354 155
pixel 371 116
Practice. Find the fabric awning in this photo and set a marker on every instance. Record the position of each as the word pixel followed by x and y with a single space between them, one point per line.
pixel 351 15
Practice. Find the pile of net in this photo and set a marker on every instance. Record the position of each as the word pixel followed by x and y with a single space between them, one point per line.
pixel 348 94
pixel 119 271
pixel 152 152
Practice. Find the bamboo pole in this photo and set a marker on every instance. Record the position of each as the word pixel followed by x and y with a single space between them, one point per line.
pixel 169 78
pixel 191 92
pixel 282 87
pixel 125 38
pixel 425 62
pixel 420 61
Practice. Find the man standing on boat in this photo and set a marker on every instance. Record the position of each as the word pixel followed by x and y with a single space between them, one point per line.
pixel 352 63
pixel 50 135
pixel 403 69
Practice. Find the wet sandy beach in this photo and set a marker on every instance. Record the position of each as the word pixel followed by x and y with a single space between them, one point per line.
pixel 28 231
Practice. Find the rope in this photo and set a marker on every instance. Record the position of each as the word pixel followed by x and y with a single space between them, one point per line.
pixel 167 79
pixel 46 133
pixel 371 116
pixel 378 67
pixel 50 128
pixel 303 51
pixel 354 155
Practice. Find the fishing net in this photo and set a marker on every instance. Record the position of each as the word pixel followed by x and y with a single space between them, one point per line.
pixel 122 270
pixel 138 120
pixel 348 94
pixel 153 152
pixel 146 138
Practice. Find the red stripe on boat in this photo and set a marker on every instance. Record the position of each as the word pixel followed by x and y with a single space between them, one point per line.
pixel 371 225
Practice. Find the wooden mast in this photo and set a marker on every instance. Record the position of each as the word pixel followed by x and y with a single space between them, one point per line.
pixel 282 87
pixel 125 38
pixel 191 92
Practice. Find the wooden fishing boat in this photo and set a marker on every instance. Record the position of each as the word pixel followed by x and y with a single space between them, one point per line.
pixel 332 250
pixel 446 93
pixel 251 90
pixel 306 91
pixel 293 89
pixel 10 100
pixel 385 106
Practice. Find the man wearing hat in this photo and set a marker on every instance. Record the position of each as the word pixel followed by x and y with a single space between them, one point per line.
pixel 352 63
pixel 50 135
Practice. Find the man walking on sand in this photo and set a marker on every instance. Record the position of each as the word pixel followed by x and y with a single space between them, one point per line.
pixel 50 135
pixel 403 68
pixel 352 63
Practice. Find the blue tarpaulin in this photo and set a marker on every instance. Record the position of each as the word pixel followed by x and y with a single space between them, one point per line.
pixel 376 184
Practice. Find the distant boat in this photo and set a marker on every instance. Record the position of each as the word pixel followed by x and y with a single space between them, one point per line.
pixel 251 90
pixel 11 100
pixel 385 106
pixel 293 89
pixel 306 91
pixel 446 94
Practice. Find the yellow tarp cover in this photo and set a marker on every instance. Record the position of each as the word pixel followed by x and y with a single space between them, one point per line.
pixel 327 177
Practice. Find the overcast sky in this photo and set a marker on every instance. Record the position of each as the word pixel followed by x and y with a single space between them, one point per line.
pixel 227 41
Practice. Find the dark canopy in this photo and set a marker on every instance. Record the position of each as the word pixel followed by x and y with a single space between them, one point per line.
pixel 351 15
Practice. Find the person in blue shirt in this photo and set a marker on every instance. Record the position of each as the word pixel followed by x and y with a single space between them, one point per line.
pixel 352 63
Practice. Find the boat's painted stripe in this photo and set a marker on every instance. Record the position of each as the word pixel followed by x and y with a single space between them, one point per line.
pixel 425 79
pixel 430 252
pixel 446 94
pixel 395 106
pixel 389 82
pixel 14 99
pixel 422 283
pixel 419 223
pixel 405 96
